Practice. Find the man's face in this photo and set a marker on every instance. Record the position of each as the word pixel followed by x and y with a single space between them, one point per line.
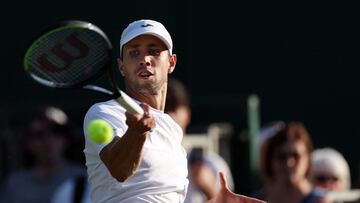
pixel 146 64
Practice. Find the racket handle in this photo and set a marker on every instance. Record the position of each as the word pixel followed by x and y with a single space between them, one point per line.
pixel 129 104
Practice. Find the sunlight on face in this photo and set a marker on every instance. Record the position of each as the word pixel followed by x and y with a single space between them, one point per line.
pixel 146 64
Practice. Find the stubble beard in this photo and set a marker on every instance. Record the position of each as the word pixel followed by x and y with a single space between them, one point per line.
pixel 152 88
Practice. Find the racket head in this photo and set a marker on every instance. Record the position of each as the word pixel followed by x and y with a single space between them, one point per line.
pixel 70 54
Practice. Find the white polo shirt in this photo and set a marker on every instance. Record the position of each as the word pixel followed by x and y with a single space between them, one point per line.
pixel 162 174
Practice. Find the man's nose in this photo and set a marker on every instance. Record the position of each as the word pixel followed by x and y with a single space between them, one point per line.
pixel 145 61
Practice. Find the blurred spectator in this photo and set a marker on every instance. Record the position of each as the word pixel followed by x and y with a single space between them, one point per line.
pixel 203 166
pixel 46 138
pixel 177 103
pixel 329 170
pixel 285 165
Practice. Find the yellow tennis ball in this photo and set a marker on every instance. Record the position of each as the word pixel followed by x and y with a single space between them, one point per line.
pixel 100 131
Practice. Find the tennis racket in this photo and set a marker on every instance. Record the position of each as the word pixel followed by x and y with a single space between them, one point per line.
pixel 75 54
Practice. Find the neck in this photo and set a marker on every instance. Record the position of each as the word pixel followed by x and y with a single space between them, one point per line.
pixel 156 101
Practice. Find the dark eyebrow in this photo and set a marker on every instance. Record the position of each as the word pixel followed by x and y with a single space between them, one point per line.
pixel 134 46
pixel 153 45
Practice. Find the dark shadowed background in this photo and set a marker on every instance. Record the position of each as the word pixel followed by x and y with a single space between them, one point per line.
pixel 301 60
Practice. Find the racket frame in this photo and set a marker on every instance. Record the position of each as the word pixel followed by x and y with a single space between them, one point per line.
pixel 121 97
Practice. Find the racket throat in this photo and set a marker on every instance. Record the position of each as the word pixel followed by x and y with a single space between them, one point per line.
pixel 129 104
pixel 97 88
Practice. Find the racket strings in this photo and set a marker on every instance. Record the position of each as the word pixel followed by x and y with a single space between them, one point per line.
pixel 80 69
pixel 98 60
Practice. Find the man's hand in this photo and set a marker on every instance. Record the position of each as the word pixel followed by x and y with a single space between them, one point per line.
pixel 140 124
pixel 226 196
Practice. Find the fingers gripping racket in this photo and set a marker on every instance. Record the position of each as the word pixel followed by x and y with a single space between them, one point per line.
pixel 74 54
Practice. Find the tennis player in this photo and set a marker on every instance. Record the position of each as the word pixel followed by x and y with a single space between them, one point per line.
pixel 145 162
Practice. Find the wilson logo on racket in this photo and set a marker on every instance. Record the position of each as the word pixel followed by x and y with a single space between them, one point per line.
pixel 67 57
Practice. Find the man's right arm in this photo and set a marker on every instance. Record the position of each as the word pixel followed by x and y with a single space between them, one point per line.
pixel 123 155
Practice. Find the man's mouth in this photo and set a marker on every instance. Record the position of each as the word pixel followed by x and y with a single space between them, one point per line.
pixel 145 74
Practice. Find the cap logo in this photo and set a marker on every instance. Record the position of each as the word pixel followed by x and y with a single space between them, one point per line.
pixel 146 25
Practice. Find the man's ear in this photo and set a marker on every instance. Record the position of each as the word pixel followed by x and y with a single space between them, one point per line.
pixel 172 61
pixel 120 66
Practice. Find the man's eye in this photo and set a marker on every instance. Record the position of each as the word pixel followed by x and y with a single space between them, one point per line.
pixel 134 53
pixel 154 52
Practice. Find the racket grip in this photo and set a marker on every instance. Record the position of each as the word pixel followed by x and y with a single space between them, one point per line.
pixel 129 104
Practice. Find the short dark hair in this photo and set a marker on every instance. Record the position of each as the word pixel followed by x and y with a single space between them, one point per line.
pixel 177 95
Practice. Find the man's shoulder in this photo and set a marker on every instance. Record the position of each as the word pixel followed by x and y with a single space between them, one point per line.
pixel 103 105
pixel 109 111
pixel 110 106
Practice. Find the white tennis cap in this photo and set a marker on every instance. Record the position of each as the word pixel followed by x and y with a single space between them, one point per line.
pixel 149 27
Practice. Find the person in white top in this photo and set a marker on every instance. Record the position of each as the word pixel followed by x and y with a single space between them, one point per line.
pixel 329 170
pixel 145 162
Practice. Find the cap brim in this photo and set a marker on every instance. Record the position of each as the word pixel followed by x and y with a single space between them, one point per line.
pixel 132 36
